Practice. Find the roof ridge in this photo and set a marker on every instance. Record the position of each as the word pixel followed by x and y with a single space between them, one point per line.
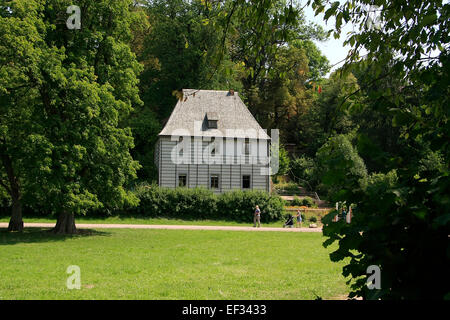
pixel 209 90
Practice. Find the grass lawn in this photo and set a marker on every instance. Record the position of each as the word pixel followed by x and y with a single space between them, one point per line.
pixel 168 264
pixel 140 220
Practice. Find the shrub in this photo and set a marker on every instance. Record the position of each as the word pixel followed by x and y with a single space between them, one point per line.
pixel 340 167
pixel 297 202
pixel 309 202
pixel 313 219
pixel 287 187
pixel 200 203
pixel 303 171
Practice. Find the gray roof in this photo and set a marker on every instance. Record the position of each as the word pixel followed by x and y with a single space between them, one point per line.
pixel 212 116
pixel 234 119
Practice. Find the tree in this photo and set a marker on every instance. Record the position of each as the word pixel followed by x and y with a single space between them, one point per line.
pixel 179 47
pixel 272 39
pixel 303 170
pixel 71 88
pixel 145 128
pixel 283 161
pixel 20 54
pixel 401 221
pixel 318 64
pixel 340 167
pixel 326 116
pixel 182 49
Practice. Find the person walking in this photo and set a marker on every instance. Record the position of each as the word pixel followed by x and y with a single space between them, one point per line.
pixel 299 218
pixel 257 217
pixel 344 213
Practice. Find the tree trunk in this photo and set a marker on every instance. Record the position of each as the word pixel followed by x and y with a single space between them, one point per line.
pixel 16 222
pixel 65 224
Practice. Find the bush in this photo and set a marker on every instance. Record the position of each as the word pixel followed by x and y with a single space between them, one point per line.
pixel 287 187
pixel 303 170
pixel 297 202
pixel 179 203
pixel 200 203
pixel 313 219
pixel 340 167
pixel 306 201
pixel 309 202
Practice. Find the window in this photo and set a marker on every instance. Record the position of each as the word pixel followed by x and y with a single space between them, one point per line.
pixel 214 182
pixel 182 180
pixel 247 146
pixel 246 182
pixel 213 146
pixel 212 124
pixel 180 146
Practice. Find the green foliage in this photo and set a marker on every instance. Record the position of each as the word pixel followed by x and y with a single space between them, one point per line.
pixel 341 168
pixel 283 160
pixel 296 202
pixel 145 129
pixel 305 201
pixel 4 198
pixel 309 202
pixel 401 221
pixel 313 219
pixel 182 49
pixel 303 170
pixel 223 45
pixel 432 161
pixel 180 46
pixel 318 64
pixel 273 42
pixel 286 188
pixel 199 203
pixel 63 97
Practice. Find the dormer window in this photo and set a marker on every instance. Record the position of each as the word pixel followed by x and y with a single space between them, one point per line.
pixel 212 124
pixel 212 119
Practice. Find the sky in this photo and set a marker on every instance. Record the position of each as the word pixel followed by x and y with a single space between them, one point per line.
pixel 333 49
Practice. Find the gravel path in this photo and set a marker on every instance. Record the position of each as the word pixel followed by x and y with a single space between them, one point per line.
pixel 170 227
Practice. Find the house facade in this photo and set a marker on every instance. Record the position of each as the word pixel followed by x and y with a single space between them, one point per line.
pixel 211 140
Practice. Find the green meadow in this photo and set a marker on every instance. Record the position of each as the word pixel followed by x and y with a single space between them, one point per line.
pixel 168 264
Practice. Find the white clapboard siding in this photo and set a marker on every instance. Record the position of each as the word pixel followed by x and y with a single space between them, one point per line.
pixel 198 172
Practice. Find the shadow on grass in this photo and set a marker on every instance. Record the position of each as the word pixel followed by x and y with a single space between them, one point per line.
pixel 35 235
pixel 128 217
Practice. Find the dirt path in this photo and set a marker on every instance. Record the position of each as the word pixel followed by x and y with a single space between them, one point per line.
pixel 170 227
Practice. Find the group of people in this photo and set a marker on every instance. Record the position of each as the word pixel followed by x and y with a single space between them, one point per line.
pixel 257 218
pixel 290 220
pixel 344 214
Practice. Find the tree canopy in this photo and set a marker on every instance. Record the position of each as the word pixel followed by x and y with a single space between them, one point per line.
pixel 64 92
pixel 401 222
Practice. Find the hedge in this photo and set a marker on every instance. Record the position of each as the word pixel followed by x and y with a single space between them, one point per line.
pixel 306 201
pixel 190 204
pixel 200 203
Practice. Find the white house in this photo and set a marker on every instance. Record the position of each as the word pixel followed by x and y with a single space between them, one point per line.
pixel 211 140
